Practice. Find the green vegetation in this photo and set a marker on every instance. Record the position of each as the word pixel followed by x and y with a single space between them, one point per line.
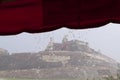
pixel 112 78
pixel 40 79
pixel 19 79
pixel 37 79
pixel 47 79
pixel 106 78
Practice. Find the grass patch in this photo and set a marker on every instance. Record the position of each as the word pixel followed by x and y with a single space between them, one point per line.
pixel 37 79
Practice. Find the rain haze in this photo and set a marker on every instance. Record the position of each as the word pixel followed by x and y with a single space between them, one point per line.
pixel 105 39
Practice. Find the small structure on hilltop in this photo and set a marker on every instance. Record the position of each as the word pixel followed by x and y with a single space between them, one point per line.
pixel 65 39
pixel 3 52
pixel 50 45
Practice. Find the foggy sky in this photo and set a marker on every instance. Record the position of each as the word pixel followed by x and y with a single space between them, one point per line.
pixel 105 39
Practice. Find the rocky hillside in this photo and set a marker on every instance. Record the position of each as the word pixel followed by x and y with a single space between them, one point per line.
pixel 70 59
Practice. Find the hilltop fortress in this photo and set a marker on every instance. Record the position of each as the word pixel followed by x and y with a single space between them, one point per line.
pixel 73 45
pixel 72 59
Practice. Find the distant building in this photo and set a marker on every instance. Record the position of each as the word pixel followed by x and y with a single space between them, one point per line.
pixel 50 45
pixel 66 45
pixel 65 39
pixel 3 52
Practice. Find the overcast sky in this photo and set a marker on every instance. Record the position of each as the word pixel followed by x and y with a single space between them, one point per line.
pixel 105 39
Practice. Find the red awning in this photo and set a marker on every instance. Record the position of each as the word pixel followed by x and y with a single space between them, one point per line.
pixel 46 15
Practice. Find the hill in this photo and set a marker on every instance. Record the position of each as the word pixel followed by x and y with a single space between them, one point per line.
pixel 70 59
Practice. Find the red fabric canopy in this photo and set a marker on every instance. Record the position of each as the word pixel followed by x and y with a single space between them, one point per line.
pixel 46 15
